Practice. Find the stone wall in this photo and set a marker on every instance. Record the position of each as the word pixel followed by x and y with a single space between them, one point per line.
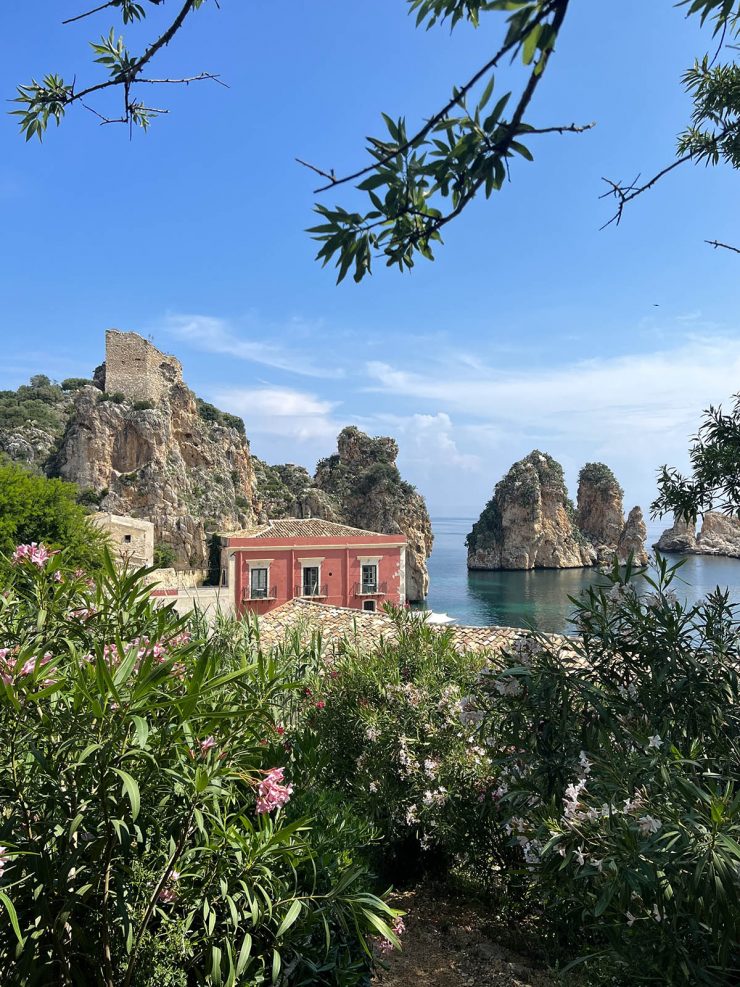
pixel 137 369
pixel 131 539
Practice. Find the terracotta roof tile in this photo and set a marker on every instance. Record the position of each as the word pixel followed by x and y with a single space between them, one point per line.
pixel 306 528
pixel 341 627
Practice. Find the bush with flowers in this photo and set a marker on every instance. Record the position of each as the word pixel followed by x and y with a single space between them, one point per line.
pixel 617 761
pixel 384 730
pixel 151 825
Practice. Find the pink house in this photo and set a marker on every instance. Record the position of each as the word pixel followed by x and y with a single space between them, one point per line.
pixel 319 560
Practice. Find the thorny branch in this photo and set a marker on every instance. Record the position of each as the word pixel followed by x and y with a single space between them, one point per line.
pixel 724 246
pixel 626 193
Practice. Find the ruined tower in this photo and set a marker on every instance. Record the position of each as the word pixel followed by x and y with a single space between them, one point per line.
pixel 137 369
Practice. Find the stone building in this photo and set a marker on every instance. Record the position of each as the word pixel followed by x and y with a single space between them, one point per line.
pixel 131 538
pixel 137 369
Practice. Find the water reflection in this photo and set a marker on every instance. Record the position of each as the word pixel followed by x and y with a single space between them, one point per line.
pixel 539 598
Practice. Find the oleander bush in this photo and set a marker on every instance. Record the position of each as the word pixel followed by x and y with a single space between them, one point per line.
pixel 618 774
pixel 385 731
pixel 153 830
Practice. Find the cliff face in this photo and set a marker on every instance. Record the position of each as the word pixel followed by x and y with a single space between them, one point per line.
pixel 719 535
pixel 530 523
pixel 601 519
pixel 679 538
pixel 190 476
pixel 527 524
pixel 360 485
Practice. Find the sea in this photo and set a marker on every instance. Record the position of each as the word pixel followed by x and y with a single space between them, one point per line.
pixel 540 598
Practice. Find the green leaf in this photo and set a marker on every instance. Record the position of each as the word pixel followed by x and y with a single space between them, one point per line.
pixel 132 791
pixel 293 912
pixel 276 965
pixel 12 916
pixel 244 953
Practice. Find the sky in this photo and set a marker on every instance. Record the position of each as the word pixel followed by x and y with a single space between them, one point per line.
pixel 534 328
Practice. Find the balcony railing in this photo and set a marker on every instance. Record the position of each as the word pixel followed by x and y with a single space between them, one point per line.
pixel 371 589
pixel 259 594
pixel 312 590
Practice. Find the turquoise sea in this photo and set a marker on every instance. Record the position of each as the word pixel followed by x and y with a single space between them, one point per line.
pixel 539 598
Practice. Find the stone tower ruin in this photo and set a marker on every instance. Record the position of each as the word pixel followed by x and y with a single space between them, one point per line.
pixel 137 369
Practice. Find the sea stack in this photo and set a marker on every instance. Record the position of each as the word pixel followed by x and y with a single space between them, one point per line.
pixel 531 523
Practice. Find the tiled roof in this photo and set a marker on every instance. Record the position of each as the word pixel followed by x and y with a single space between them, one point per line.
pixel 341 627
pixel 305 528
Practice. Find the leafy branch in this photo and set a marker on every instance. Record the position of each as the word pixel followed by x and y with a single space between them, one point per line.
pixel 450 158
pixel 49 99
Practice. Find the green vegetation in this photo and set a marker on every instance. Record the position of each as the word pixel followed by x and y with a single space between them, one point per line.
pixel 36 509
pixel 164 556
pixel 599 474
pixel 714 483
pixel 75 383
pixel 148 835
pixel 39 403
pixel 418 180
pixel 117 397
pixel 210 413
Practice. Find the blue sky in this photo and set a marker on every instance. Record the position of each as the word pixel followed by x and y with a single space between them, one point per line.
pixel 532 329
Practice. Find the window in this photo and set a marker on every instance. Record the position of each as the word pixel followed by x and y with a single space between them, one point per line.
pixel 258 584
pixel 127 539
pixel 370 578
pixel 310 580
pixel 369 605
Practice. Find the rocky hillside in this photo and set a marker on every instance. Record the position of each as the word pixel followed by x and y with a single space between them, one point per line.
pixel 360 485
pixel 531 523
pixel 161 453
pixel 719 535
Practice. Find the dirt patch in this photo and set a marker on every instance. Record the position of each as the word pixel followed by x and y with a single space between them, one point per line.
pixel 447 943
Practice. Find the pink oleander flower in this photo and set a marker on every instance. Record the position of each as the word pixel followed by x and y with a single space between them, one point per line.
pixel 3 859
pixel 206 745
pixel 168 894
pixel 320 704
pixel 271 792
pixel 648 825
pixel 37 555
pixel 33 663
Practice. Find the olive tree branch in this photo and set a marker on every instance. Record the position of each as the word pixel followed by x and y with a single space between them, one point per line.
pixel 89 13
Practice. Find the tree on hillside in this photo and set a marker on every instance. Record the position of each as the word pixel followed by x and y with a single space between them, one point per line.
pixel 35 509
pixel 418 181
pixel 714 483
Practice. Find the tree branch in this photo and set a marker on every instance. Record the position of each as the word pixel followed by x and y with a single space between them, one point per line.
pixel 89 13
pixel 725 246
pixel 456 100
pixel 626 193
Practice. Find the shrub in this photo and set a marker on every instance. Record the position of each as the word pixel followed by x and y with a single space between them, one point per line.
pixel 619 780
pixel 133 772
pixel 36 509
pixel 117 397
pixel 384 730
pixel 164 556
pixel 75 383
pixel 143 405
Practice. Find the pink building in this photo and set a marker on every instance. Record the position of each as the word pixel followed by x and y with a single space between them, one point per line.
pixel 320 560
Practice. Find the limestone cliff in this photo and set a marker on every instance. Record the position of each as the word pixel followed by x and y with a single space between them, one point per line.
pixel 681 537
pixel 601 520
pixel 360 485
pixel 719 535
pixel 530 523
pixel 188 475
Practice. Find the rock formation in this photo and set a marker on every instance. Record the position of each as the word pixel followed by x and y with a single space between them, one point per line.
pixel 140 444
pixel 600 517
pixel 189 476
pixel 530 523
pixel 719 535
pixel 360 485
pixel 681 537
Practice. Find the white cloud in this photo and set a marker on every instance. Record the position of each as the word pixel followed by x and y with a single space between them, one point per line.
pixel 634 411
pixel 214 335
pixel 427 442
pixel 281 411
